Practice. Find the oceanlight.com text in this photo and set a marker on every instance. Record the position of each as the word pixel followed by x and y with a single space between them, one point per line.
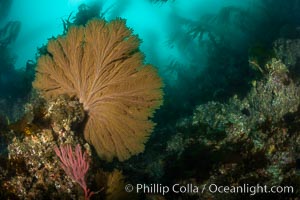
pixel 211 188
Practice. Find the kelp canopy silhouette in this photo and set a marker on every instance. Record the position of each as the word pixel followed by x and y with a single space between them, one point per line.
pixel 102 65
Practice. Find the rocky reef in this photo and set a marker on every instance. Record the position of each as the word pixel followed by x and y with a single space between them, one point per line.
pixel 31 169
pixel 251 140
pixel 247 140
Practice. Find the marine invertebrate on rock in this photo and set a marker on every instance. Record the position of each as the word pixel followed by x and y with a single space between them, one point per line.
pixel 76 165
pixel 115 184
pixel 102 65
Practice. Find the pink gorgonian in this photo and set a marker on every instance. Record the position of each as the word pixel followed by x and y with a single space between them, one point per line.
pixel 75 164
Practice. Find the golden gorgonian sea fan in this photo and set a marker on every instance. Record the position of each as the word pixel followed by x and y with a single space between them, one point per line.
pixel 101 64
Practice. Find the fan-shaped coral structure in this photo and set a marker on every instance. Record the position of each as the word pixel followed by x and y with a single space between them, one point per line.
pixel 102 65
